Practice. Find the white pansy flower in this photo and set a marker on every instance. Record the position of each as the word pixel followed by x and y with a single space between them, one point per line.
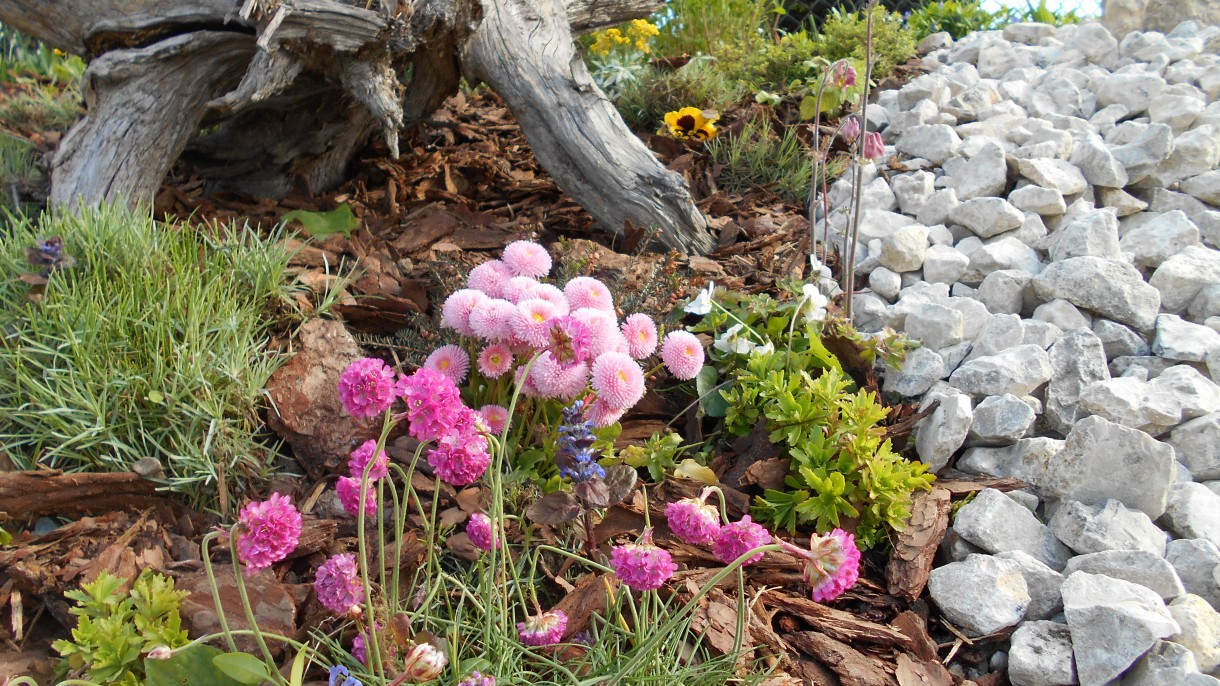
pixel 732 341
pixel 814 303
pixel 702 303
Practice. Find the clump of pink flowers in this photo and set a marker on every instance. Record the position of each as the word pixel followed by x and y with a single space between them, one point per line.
pixel 738 538
pixel 481 533
pixel 693 520
pixel 338 586
pixel 831 565
pixel 545 628
pixel 642 566
pixel 361 457
pixel 269 531
pixel 366 387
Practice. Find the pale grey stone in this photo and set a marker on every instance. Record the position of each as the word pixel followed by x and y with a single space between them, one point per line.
pixel 1077 360
pixel 935 210
pixel 997 523
pixel 1123 203
pixel 940 40
pixel 944 264
pixel 1205 187
pixel 1098 165
pixel 933 142
pixel 1135 91
pixel 1118 340
pixel 1107 526
pixel 1110 288
pixel 985 175
pixel 941 433
pixel 1196 444
pixel 1152 366
pixel 1092 234
pixel 974 316
pixel 1095 42
pixel 885 283
pixel 1179 112
pixel 922 368
pixel 1200 629
pixel 1063 314
pixel 1180 278
pixel 981 594
pixel 986 217
pixel 1194 393
pixel 1056 174
pixel 1166 664
pixel 1027 499
pixel 1003 254
pixel 1131 402
pixel 954 548
pixel 936 326
pixel 953 355
pixel 1029 33
pixel 1178 339
pixel 1000 420
pixel 931 87
pixel 1141 567
pixel 1194 152
pixel 1146 152
pixel 1042 582
pixel 1205 305
pixel 1193 512
pixel 1056 94
pixel 1197 561
pixel 1001 332
pixel 1006 291
pixel 1160 239
pixel 1103 460
pixel 1113 623
pixel 1043 201
pixel 912 190
pixel 1041 655
pixel 903 250
pixel 1017 370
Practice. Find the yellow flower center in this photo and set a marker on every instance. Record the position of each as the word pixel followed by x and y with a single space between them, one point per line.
pixel 622 376
pixel 538 317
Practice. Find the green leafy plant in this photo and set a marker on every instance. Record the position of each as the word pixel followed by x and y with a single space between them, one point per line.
pixel 1043 14
pixel 116 629
pixel 692 27
pixel 757 157
pixel 659 455
pixel 828 90
pixel 644 100
pixel 843 34
pixel 768 65
pixel 956 17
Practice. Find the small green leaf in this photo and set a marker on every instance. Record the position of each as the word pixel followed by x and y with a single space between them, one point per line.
pixel 297 675
pixel 189 667
pixel 712 400
pixel 323 224
pixel 242 667
pixel 156 398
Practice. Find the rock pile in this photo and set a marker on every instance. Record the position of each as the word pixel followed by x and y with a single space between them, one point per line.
pixel 1050 231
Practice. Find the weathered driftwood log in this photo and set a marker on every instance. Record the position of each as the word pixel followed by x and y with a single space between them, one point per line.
pixel 290 90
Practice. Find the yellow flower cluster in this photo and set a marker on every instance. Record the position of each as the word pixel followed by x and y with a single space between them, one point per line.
pixel 640 33
pixel 690 122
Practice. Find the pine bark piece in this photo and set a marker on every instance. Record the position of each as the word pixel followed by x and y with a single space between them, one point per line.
pixel 916 546
pixel 840 625
pixel 51 492
pixel 853 667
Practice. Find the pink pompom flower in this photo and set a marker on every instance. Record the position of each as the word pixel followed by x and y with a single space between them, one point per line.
pixel 682 354
pixel 554 380
pixel 603 330
pixel 478 679
pixel 617 379
pixel 496 418
pixel 269 531
pixel 642 565
pixel 481 533
pixel 527 258
pixel 433 403
pixel 693 520
pixel 490 278
pixel 366 387
pixel 570 340
pixel 602 415
pixel 641 334
pixel 460 457
pixel 543 629
pixel 831 565
pixel 360 458
pixel 585 291
pixel 348 490
pixel 519 288
pixel 455 313
pixel 338 586
pixel 495 360
pixel 738 538
pixel 874 147
pixel 492 319
pixel 531 321
pixel 451 361
pixel 551 294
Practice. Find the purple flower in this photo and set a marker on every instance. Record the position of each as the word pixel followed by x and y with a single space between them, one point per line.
pixel 693 520
pixel 339 676
pixel 544 629
pixel 360 459
pixel 477 679
pixel 338 586
pixel 844 75
pixel 480 531
pixel 642 566
pixel 850 130
pixel 269 532
pixel 366 387
pixel 737 539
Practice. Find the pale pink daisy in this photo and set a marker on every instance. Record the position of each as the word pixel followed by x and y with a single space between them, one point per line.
pixel 348 490
pixel 641 334
pixel 451 361
pixel 551 294
pixel 602 415
pixel 360 458
pixel 495 360
pixel 525 383
pixel 617 379
pixel 492 319
pixel 268 532
pixel 603 330
pixel 543 629
pixel 480 531
pixel 555 380
pixel 584 291
pixel 490 277
pixel 337 583
pixel 642 566
pixel 831 565
pixel 496 418
pixel 519 288
pixel 693 520
pixel 455 314
pixel 738 538
pixel 682 354
pixel 366 387
pixel 530 321
pixel 527 258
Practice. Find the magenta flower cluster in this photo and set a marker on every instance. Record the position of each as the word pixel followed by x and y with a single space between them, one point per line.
pixel 694 521
pixel 268 532
pixel 831 565
pixel 543 629
pixel 366 387
pixel 337 583
pixel 642 566
pixel 481 532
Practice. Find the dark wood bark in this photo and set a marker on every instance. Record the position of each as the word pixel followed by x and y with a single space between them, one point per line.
pixel 27 495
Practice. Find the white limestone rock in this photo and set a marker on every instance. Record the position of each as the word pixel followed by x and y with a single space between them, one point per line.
pixel 1113 623
pixel 935 210
pixel 1123 203
pixel 941 433
pixel 944 264
pixel 1042 582
pixel 1064 315
pixel 1205 187
pixel 936 326
pixel 1042 201
pixel 987 217
pixel 1166 664
pixel 1196 444
pixel 1107 526
pixel 922 368
pixel 1055 174
pixel 985 175
pixel 981 594
pixel 1113 289
pixel 1097 164
pixel 1017 370
pixel 1103 460
pixel 1041 655
pixel 1093 233
pixel 885 283
pixel 1180 278
pixel 1006 291
pixel 1141 567
pixel 1200 629
pixel 903 250
pixel 1135 91
pixel 1145 152
pixel 1197 562
pixel 1118 340
pixel 1159 239
pixel 1193 512
pixel 1004 254
pixel 1077 360
pixel 912 191
pixel 997 523
pixel 933 142
pixel 1000 420
pixel 1178 339
pixel 1131 402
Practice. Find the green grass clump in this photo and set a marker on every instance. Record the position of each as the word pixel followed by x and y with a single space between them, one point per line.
pixel 153 345
pixel 644 101
pixel 843 36
pixel 956 17
pixel 17 162
pixel 757 157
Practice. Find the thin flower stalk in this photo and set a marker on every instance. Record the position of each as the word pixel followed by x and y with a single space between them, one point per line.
pixel 849 270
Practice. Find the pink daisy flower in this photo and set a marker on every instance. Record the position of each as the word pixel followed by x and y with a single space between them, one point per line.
pixel 530 321
pixel 269 531
pixel 495 360
pixel 544 629
pixel 737 539
pixel 584 291
pixel 641 334
pixel 338 586
pixel 642 566
pixel 682 354
pixel 360 458
pixel 490 278
pixel 451 361
pixel 496 418
pixel 551 294
pixel 366 387
pixel 554 380
pixel 455 313
pixel 693 520
pixel 602 415
pixel 525 383
pixel 570 340
pixel 492 319
pixel 433 403
pixel 480 531
pixel 617 379
pixel 519 288
pixel 831 565
pixel 527 258
pixel 348 490
pixel 603 329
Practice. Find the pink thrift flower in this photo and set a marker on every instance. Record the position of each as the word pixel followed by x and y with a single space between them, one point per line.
pixel 366 387
pixel 338 586
pixel 424 662
pixel 495 360
pixel 451 361
pixel 530 321
pixel 682 354
pixel 348 490
pixel 461 457
pixel 602 415
pixel 360 648
pixel 544 629
pixel 480 531
pixel 874 147
pixel 570 340
pixel 584 291
pixel 618 380
pixel 490 278
pixel 693 520
pixel 360 459
pixel 455 314
pixel 433 403
pixel 551 294
pixel 641 335
pixel 477 679
pixel 269 531
pixel 736 539
pixel 527 258
pixel 832 563
pixel 496 418
pixel 850 130
pixel 642 566
pixel 519 288
pixel 492 319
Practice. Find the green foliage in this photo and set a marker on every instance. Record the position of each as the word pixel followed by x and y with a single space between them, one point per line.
pixel 692 27
pixel 659 455
pixel 115 629
pixel 16 162
pixel 843 37
pixel 320 225
pixel 44 91
pixel 757 157
pixel 152 345
pixel 644 100
pixel 1042 14
pixel 956 17
pixel 768 65
pixel 194 666
pixel 835 94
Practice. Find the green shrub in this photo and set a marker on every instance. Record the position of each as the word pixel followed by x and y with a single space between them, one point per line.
pixel 757 157
pixel 153 345
pixel 692 27
pixel 843 36
pixel 956 17
pixel 645 100
pixel 768 65
pixel 16 162
pixel 1042 14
